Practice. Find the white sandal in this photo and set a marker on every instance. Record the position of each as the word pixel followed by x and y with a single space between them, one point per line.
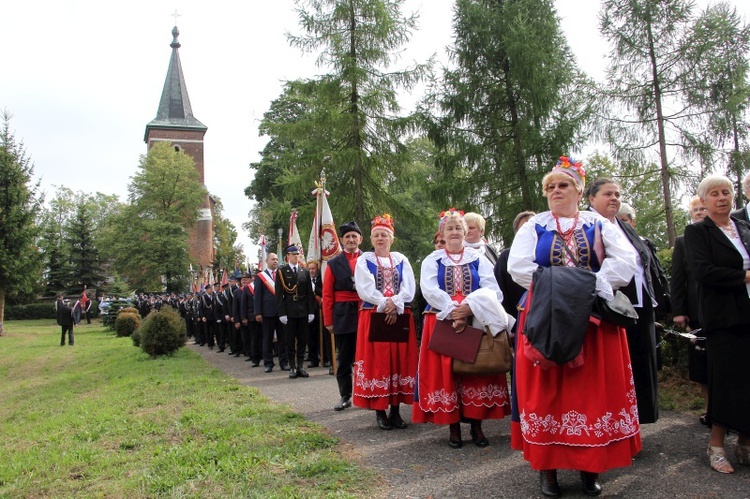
pixel 742 452
pixel 718 460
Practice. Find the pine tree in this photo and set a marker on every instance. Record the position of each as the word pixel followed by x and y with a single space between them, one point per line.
pixel 357 42
pixel 644 82
pixel 20 260
pixel 514 102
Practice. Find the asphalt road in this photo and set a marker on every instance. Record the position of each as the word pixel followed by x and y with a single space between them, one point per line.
pixel 418 463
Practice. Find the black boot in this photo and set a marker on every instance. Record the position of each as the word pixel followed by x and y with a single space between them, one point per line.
pixel 548 483
pixel 395 418
pixel 455 437
pixel 383 422
pixel 590 483
pixel 345 390
pixel 477 436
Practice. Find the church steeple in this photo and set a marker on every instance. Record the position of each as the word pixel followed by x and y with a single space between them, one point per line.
pixel 175 123
pixel 174 110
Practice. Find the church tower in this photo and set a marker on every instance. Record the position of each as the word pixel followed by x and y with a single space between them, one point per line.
pixel 176 124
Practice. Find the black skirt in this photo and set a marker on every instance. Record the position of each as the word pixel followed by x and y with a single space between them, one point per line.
pixel 728 387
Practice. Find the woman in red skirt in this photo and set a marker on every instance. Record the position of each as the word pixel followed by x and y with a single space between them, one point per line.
pixel 384 371
pixel 458 284
pixel 581 415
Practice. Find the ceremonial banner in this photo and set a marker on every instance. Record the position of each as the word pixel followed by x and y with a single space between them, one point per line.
pixel 324 242
pixel 263 243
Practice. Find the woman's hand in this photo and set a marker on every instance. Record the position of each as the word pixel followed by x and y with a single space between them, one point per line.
pixel 461 312
pixel 459 325
pixel 390 319
pixel 390 307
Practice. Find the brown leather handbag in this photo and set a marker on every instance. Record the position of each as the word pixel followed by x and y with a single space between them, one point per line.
pixel 495 356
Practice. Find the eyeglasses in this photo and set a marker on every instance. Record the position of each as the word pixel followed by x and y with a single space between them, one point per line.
pixel 562 185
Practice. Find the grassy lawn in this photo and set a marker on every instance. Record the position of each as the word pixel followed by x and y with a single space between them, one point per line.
pixel 102 419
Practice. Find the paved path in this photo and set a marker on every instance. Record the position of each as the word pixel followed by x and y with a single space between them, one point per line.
pixel 417 462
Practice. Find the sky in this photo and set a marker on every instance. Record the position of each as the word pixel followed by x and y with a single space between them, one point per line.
pixel 82 78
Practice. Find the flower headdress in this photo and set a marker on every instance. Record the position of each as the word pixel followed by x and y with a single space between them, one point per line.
pixel 444 215
pixel 384 221
pixel 572 167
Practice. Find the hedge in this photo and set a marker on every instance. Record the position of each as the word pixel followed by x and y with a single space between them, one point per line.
pixel 40 311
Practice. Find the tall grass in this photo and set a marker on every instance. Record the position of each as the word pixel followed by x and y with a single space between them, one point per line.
pixel 102 419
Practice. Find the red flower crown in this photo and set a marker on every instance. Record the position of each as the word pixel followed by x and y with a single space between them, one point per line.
pixel 384 221
pixel 572 167
pixel 445 214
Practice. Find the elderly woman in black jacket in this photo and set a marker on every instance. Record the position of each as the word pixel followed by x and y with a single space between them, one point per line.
pixel 718 250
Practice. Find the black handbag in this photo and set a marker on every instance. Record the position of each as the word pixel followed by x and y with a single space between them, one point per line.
pixel 618 311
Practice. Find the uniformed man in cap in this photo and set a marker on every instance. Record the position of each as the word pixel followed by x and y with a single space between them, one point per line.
pixel 296 303
pixel 341 308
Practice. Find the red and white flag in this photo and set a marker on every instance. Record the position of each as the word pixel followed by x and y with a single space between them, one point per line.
pixel 324 242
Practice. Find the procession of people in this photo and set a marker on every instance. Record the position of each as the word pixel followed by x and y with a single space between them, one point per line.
pixel 579 293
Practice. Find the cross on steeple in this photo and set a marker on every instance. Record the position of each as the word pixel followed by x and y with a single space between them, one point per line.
pixel 175 15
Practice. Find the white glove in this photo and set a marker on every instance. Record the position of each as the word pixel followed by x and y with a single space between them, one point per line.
pixel 310 318
pixel 284 319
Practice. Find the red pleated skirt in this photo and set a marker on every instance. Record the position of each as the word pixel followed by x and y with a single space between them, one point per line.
pixel 445 398
pixel 384 373
pixel 581 418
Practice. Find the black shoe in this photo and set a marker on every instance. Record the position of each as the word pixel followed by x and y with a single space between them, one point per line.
pixel 395 418
pixel 455 438
pixel 220 350
pixel 254 364
pixel 285 367
pixel 590 483
pixel 302 373
pixel 477 436
pixel 383 421
pixel 343 404
pixel 210 347
pixel 548 483
pixel 292 373
pixel 330 371
pixel 327 364
pixel 313 364
pixel 248 359
pixel 268 369
pixel 237 354
pixel 705 419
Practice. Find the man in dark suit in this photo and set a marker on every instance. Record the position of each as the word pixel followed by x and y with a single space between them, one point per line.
pixel 296 303
pixel 341 308
pixel 744 212
pixel 266 312
pixel 208 310
pixel 252 343
pixel 604 198
pixel 64 319
pixel 222 315
pixel 234 294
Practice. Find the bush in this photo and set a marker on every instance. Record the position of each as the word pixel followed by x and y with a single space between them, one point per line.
pixel 114 307
pixel 162 332
pixel 125 324
pixel 31 311
pixel 129 310
pixel 136 337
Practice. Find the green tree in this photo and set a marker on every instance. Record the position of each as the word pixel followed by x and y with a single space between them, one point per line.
pixel 514 102
pixel 717 87
pixel 227 254
pixel 357 41
pixel 84 254
pixel 20 202
pixel 149 237
pixel 644 81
